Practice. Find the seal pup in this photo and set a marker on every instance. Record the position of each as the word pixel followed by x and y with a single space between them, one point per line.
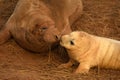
pixel 90 50
pixel 36 23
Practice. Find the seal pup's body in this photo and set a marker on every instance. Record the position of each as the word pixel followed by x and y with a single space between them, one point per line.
pixel 90 51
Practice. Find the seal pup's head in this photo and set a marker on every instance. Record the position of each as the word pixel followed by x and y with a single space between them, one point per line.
pixel 78 41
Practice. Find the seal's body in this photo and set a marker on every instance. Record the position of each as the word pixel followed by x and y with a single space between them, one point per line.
pixel 36 23
pixel 90 51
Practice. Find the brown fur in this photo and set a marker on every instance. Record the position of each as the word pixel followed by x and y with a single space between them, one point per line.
pixel 91 51
pixel 35 23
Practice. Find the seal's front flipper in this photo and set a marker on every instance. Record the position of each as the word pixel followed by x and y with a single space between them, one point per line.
pixel 5 32
pixel 4 35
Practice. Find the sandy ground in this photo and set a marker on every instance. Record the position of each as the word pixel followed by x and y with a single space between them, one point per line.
pixel 100 17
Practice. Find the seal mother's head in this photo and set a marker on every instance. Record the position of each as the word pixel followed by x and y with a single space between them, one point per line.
pixel 35 24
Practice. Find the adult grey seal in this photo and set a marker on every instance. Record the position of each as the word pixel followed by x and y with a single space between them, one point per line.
pixel 36 23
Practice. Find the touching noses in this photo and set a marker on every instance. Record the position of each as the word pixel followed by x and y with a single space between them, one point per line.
pixel 59 36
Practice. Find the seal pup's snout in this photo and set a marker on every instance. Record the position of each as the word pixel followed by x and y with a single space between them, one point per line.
pixel 61 40
pixel 64 39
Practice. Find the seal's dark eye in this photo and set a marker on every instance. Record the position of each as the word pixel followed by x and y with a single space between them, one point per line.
pixel 44 28
pixel 71 42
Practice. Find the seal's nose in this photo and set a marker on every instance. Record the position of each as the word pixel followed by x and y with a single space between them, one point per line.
pixel 57 37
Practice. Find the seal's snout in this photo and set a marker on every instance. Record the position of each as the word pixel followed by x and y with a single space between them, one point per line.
pixel 58 37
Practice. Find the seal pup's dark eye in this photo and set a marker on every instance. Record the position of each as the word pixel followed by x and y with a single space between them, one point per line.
pixel 71 42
